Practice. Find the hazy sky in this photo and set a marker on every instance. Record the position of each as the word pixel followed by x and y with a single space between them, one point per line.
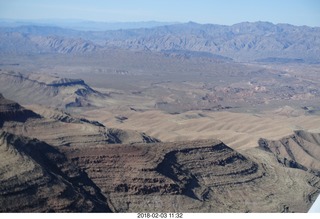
pixel 297 12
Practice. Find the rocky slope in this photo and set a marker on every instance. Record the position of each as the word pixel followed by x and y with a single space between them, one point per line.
pixel 300 150
pixel 35 177
pixel 58 128
pixel 196 176
pixel 17 42
pixel 12 111
pixel 61 45
pixel 48 90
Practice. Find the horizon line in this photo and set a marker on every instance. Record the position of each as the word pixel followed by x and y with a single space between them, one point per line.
pixel 78 20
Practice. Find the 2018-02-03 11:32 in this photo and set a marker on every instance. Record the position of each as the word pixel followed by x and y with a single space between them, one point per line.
pixel 159 215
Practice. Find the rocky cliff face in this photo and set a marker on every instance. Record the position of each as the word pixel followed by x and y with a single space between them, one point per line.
pixel 35 177
pixel 12 111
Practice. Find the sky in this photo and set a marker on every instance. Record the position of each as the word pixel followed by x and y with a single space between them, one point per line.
pixel 228 12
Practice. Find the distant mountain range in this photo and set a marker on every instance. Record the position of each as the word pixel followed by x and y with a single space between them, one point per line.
pixel 258 41
pixel 83 25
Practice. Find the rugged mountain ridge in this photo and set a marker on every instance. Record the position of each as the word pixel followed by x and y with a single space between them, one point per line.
pixel 34 43
pixel 257 41
pixel 241 42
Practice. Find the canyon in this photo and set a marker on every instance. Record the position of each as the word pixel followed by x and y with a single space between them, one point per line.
pixel 173 118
